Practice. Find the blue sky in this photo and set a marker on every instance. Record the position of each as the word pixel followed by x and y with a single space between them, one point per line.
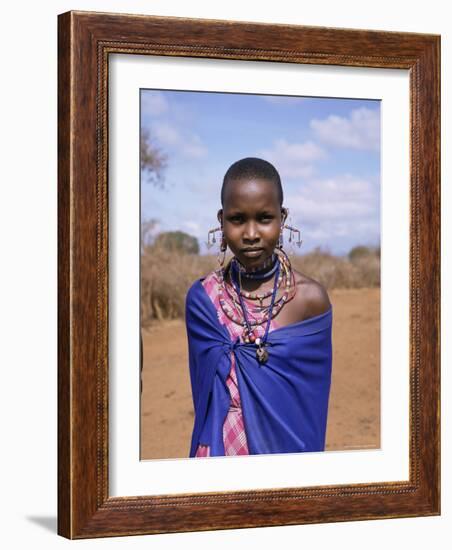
pixel 327 151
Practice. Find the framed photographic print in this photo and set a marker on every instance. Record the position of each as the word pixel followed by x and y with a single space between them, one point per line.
pixel 159 119
pixel 328 154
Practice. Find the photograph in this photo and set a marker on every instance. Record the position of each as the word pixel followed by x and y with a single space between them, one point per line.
pixel 260 265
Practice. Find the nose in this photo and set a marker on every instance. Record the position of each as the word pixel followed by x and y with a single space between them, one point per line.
pixel 251 232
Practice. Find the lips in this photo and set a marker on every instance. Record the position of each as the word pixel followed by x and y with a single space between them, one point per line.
pixel 252 252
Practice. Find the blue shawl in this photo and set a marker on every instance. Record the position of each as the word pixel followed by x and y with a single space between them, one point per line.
pixel 284 401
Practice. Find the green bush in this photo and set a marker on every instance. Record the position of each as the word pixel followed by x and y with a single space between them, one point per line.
pixel 177 241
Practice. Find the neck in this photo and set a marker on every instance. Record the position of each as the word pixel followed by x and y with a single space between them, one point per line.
pixel 264 270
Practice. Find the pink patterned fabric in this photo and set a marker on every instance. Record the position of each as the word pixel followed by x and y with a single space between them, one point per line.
pixel 234 435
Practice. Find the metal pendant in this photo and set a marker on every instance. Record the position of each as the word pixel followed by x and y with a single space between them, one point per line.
pixel 262 354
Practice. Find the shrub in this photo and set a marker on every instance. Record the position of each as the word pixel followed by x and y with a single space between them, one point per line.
pixel 177 241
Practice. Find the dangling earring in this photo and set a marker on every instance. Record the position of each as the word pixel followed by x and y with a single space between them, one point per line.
pixel 221 256
pixel 212 232
pixel 281 238
pixel 293 231
pixel 223 245
pixel 281 233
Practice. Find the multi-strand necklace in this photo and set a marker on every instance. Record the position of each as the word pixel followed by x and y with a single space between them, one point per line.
pixel 241 314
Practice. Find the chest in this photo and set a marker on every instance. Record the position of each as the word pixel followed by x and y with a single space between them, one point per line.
pixel 293 311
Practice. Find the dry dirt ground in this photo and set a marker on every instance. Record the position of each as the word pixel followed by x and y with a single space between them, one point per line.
pixel 354 407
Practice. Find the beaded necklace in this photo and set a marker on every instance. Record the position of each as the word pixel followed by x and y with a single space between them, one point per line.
pixel 237 272
pixel 284 279
pixel 238 313
pixel 261 352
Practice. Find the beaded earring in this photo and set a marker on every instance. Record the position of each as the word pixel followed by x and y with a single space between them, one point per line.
pixel 221 256
pixel 212 232
pixel 281 238
pixel 223 245
pixel 281 232
pixel 293 232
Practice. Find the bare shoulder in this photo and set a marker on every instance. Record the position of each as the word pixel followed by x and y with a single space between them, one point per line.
pixel 311 298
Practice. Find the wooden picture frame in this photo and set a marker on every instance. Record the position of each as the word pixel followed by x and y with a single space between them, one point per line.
pixel 85 42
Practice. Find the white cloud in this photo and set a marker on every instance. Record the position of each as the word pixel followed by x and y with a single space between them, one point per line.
pixel 153 103
pixel 194 148
pixel 166 134
pixel 336 207
pixel 193 227
pixel 188 144
pixel 361 130
pixel 337 236
pixel 293 160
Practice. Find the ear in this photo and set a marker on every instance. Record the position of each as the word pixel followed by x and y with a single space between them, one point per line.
pixel 220 216
pixel 284 214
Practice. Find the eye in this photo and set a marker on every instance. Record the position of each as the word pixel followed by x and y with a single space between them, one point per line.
pixel 235 218
pixel 266 218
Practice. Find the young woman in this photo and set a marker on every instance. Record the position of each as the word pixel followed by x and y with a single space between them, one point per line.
pixel 259 332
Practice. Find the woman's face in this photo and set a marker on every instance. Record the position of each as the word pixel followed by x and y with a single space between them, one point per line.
pixel 251 219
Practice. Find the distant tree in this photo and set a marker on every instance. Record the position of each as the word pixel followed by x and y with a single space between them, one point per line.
pixel 148 230
pixel 178 241
pixel 359 252
pixel 152 160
